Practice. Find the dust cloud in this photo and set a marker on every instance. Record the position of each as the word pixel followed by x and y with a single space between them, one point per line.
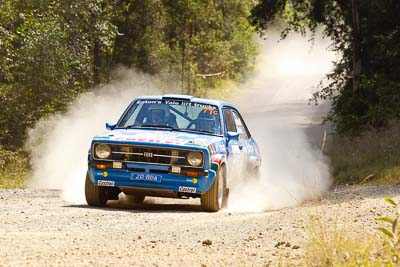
pixel 274 106
pixel 288 130
pixel 59 144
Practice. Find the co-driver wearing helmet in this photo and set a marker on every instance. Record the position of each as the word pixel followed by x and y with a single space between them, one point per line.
pixel 207 122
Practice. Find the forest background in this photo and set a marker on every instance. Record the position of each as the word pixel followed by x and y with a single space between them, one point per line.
pixel 52 51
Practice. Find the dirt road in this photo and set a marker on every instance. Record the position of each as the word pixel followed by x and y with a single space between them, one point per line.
pixel 38 228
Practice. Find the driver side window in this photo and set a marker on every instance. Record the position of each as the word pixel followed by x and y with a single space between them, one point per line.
pixel 241 128
pixel 229 120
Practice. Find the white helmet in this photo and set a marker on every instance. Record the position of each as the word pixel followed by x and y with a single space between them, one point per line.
pixel 154 108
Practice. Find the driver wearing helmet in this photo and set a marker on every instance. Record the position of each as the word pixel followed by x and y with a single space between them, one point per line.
pixel 159 114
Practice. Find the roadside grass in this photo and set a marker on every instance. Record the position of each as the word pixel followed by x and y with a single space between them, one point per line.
pixel 335 244
pixel 14 168
pixel 370 159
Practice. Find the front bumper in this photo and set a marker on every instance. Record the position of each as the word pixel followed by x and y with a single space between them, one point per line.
pixel 133 175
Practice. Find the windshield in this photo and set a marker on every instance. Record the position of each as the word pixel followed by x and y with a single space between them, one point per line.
pixel 173 114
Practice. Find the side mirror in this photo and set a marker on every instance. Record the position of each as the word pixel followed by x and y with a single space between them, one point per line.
pixel 233 136
pixel 110 126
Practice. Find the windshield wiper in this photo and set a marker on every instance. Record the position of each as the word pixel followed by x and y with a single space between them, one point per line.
pixel 150 126
pixel 131 126
pixel 201 131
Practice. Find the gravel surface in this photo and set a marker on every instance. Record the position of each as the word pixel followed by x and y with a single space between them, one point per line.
pixel 38 228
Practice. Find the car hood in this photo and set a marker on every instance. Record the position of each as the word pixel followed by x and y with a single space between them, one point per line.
pixel 159 137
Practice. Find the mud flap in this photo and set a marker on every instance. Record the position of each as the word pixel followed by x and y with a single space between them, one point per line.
pixel 112 193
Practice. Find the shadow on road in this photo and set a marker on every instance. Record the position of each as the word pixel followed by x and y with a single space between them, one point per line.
pixel 147 206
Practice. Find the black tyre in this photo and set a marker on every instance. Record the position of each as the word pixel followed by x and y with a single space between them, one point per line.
pixel 216 197
pixel 95 195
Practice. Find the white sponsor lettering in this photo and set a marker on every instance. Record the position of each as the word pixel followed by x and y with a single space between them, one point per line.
pixel 146 177
pixel 186 189
pixel 105 183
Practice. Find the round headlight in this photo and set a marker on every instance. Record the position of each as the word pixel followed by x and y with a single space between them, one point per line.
pixel 195 158
pixel 103 151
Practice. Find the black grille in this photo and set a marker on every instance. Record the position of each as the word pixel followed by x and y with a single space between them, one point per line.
pixel 143 154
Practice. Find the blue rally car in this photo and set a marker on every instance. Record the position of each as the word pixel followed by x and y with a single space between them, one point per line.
pixel 174 146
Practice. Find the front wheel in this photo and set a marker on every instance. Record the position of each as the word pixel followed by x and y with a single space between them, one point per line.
pixel 95 195
pixel 216 197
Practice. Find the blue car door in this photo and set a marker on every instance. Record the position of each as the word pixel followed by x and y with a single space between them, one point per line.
pixel 236 148
pixel 252 160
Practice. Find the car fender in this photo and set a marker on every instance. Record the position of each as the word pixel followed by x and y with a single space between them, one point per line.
pixel 218 160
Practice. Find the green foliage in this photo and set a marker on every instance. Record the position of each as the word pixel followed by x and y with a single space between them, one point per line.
pixel 49 56
pixel 332 244
pixel 370 158
pixel 14 168
pixel 392 233
pixel 140 34
pixel 52 50
pixel 207 42
pixel 377 100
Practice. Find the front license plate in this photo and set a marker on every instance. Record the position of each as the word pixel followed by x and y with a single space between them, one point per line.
pixel 186 189
pixel 146 177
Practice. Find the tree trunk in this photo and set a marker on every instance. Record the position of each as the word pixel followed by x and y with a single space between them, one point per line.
pixel 356 46
pixel 183 67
